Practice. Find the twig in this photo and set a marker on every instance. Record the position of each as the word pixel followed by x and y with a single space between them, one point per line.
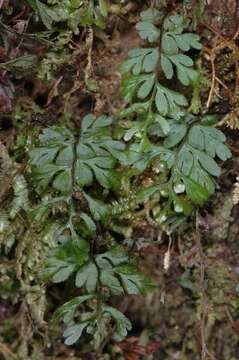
pixel 234 324
pixel 152 4
pixel 54 91
pixel 7 352
pixel 236 35
pixel 203 292
pixel 212 29
pixel 222 83
pixel 229 43
pixel 167 255
pixel 89 42
pixel 204 350
pixel 212 59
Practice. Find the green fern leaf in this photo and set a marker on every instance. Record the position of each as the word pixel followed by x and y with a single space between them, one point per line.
pixel 88 276
pixel 195 160
pixel 96 156
pixel 168 101
pixel 147 31
pixel 67 311
pixel 122 323
pixel 74 332
pixel 141 60
pixel 146 28
pixel 150 15
pixel 66 259
pixel 133 281
pixel 98 209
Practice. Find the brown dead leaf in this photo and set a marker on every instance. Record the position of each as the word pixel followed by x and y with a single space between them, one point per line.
pixel 133 351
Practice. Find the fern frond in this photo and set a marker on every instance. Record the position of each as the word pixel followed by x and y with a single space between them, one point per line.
pixel 188 149
pixel 144 67
pixel 174 149
pixel 66 163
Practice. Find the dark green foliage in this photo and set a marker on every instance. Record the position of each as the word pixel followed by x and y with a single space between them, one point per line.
pixel 94 322
pixel 112 269
pixel 66 163
pixel 194 163
pixel 167 57
pixel 53 159
pixel 74 13
pixel 88 169
pixel 95 156
pixel 106 201
pixel 189 147
pixel 67 259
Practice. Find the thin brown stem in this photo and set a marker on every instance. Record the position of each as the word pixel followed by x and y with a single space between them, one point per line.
pixel 209 101
pixel 6 352
pixel 203 293
pixel 204 300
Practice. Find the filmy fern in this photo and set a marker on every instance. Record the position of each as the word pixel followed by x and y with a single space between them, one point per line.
pixel 81 171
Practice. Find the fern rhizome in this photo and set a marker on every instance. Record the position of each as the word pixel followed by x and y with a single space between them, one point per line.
pixel 95 176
